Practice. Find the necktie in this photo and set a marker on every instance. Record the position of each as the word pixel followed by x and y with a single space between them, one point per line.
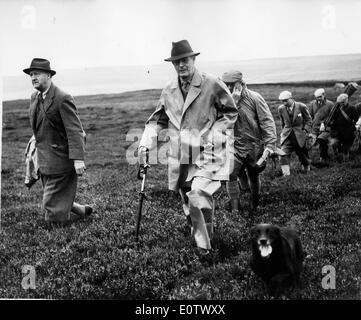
pixel 38 106
pixel 185 88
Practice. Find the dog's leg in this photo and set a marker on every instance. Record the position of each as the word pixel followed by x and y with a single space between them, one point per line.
pixel 279 282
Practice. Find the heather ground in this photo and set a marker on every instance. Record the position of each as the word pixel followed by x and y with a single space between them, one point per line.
pixel 97 258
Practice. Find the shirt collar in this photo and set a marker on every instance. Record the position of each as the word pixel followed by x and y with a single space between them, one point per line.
pixel 44 93
pixel 186 81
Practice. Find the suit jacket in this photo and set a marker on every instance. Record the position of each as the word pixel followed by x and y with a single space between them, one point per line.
pixel 58 132
pixel 197 123
pixel 300 123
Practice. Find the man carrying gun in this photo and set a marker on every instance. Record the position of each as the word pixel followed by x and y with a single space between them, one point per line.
pixel 341 123
pixel 342 127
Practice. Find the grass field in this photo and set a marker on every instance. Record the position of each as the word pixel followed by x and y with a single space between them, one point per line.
pixel 97 258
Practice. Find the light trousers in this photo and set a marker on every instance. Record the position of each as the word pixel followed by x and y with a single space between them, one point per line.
pixel 198 203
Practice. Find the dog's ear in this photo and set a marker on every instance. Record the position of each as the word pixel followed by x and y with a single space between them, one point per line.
pixel 253 231
pixel 276 231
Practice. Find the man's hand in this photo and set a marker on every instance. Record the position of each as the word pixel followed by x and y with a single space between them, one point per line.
pixel 143 155
pixel 313 138
pixel 322 127
pixel 358 125
pixel 79 166
pixel 237 91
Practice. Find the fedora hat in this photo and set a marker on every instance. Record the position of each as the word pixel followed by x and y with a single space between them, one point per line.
pixel 40 64
pixel 180 50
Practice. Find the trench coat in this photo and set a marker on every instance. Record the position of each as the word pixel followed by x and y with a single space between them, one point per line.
pixel 58 132
pixel 300 123
pixel 200 129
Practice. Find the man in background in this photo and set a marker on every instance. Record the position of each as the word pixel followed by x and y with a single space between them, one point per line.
pixel 60 144
pixel 296 126
pixel 342 126
pixel 254 136
pixel 320 109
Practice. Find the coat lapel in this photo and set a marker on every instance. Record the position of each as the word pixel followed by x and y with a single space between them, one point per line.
pixel 49 98
pixel 194 91
pixel 296 111
pixel 286 114
pixel 177 95
pixel 47 103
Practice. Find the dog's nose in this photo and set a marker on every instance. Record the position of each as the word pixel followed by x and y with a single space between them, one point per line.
pixel 263 242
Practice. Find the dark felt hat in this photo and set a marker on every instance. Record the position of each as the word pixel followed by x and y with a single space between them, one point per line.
pixel 40 64
pixel 180 50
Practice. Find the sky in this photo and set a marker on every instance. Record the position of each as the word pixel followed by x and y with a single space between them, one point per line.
pixel 96 33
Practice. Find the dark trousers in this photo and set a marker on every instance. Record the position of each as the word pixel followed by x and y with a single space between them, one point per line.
pixel 58 195
pixel 323 147
pixel 290 145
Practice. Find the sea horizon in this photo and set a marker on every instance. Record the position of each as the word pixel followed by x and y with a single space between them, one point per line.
pixel 118 79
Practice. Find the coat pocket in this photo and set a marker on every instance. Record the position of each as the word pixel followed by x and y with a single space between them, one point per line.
pixel 60 150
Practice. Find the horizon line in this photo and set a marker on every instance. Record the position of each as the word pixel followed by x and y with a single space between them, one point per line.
pixel 206 61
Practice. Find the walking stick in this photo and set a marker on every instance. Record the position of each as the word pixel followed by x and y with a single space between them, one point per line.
pixel 142 172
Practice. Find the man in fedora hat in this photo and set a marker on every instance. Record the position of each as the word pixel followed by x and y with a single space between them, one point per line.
pixel 198 112
pixel 255 137
pixel 296 126
pixel 60 144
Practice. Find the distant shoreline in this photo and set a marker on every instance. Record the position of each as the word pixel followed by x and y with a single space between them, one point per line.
pixel 304 83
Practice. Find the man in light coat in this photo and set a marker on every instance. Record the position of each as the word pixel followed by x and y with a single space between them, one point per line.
pixel 320 109
pixel 255 137
pixel 296 127
pixel 60 144
pixel 199 114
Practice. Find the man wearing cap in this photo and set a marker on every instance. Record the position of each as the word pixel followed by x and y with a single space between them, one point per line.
pixel 296 126
pixel 60 144
pixel 255 137
pixel 343 125
pixel 199 114
pixel 320 109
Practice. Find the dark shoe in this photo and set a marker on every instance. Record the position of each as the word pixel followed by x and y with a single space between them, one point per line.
pixel 202 252
pixel 88 210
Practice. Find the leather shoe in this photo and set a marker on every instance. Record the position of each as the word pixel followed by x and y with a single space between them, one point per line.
pixel 88 210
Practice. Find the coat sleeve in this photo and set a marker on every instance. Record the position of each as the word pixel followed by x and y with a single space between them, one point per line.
pixel 281 118
pixel 306 118
pixel 73 127
pixel 156 122
pixel 266 122
pixel 227 112
pixel 310 109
